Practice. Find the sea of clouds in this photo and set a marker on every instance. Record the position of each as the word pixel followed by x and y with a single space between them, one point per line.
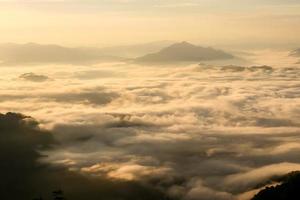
pixel 195 132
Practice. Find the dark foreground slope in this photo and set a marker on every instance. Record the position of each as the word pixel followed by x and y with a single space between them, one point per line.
pixel 289 189
pixel 23 177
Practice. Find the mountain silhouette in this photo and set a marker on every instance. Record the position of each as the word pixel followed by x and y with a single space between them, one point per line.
pixel 185 52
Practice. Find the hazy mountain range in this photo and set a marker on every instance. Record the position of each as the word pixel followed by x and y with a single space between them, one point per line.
pixel 136 50
pixel 32 53
pixel 148 53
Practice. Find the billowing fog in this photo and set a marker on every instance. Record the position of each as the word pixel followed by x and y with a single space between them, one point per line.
pixel 185 131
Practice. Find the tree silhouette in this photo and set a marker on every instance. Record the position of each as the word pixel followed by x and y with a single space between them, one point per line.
pixel 58 195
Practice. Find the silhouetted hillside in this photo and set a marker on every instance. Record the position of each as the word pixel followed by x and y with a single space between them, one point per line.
pixel 289 189
pixel 24 176
pixel 185 52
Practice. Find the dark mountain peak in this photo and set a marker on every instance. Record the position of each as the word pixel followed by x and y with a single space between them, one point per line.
pixel 185 52
pixel 184 44
pixel 180 45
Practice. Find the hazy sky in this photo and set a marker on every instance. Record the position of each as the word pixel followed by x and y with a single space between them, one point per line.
pixel 105 22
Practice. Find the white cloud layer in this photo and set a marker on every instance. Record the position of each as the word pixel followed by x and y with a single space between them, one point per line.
pixel 196 131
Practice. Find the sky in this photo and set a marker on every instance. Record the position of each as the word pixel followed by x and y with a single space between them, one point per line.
pixel 110 22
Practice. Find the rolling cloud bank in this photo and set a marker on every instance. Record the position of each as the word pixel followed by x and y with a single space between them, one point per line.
pixel 125 131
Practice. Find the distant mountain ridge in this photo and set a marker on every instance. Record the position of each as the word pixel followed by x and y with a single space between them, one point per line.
pixel 33 53
pixel 135 50
pixel 185 52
